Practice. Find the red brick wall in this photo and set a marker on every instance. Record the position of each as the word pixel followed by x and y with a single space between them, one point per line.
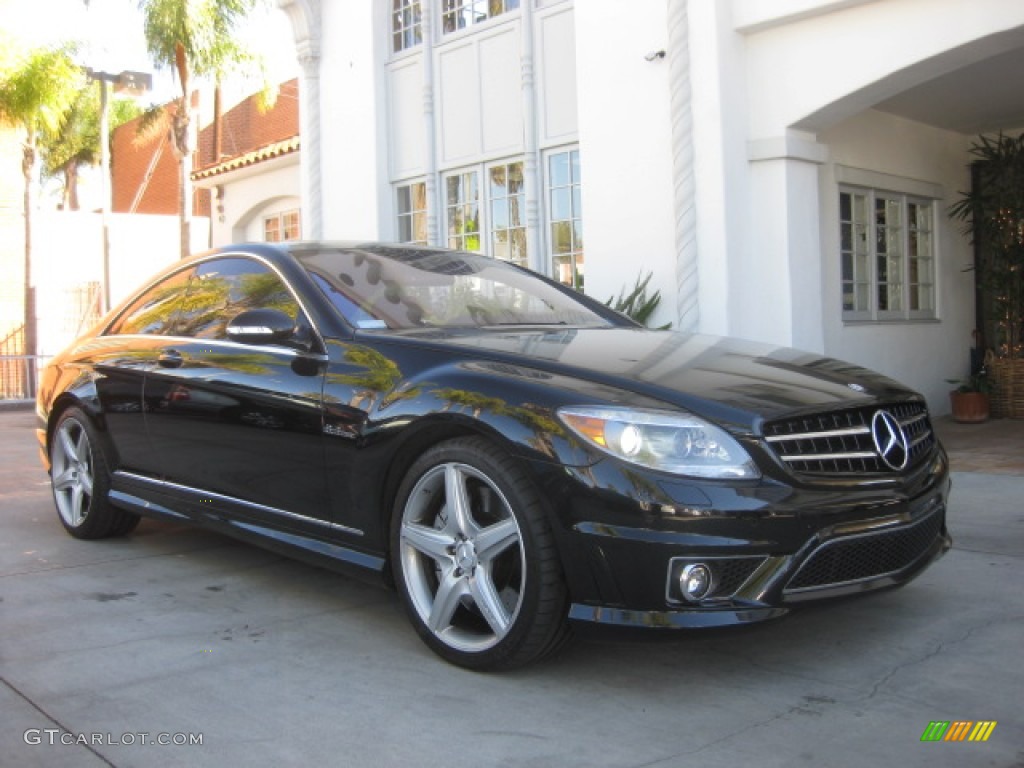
pixel 245 127
pixel 130 159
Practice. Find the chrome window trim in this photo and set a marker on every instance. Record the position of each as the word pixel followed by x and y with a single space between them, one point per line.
pixel 269 348
pixel 202 260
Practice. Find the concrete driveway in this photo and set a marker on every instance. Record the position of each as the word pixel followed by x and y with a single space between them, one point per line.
pixel 179 636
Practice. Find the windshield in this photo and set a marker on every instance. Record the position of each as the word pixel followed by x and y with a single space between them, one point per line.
pixel 395 288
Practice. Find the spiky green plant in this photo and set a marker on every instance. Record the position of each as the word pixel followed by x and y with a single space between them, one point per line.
pixel 637 304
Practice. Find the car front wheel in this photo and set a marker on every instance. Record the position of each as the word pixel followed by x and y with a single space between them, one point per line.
pixel 475 559
pixel 80 477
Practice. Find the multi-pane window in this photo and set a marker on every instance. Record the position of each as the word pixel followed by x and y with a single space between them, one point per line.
pixel 459 14
pixel 406 24
pixel 412 213
pixel 853 248
pixel 565 217
pixel 508 213
pixel 887 255
pixel 462 208
pixel 281 227
pixel 489 217
pixel 920 256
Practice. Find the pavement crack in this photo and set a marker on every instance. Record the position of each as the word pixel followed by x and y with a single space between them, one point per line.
pixel 938 649
pixel 671 759
pixel 991 553
pixel 63 728
pixel 776 669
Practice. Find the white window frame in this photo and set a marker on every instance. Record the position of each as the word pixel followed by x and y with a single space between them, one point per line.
pixel 414 217
pixel 484 202
pixel 463 240
pixel 515 208
pixel 475 21
pixel 903 193
pixel 279 218
pixel 573 188
pixel 406 17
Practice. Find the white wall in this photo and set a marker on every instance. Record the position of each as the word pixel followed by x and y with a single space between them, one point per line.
pixel 251 193
pixel 920 354
pixel 253 231
pixel 625 147
pixel 67 255
pixel 835 59
pixel 353 112
pixel 719 114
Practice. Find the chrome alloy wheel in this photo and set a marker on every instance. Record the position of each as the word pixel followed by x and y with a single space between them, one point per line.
pixel 462 556
pixel 72 472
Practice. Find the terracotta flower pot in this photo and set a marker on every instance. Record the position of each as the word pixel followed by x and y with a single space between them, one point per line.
pixel 969 407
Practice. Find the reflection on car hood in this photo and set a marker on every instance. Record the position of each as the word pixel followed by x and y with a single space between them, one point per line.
pixel 742 379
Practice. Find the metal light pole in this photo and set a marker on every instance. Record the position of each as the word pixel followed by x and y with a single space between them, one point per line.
pixel 134 83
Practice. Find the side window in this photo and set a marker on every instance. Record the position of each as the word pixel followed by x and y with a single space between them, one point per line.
pixel 222 288
pixel 153 313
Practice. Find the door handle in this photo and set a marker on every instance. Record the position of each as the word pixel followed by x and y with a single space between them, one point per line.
pixel 170 358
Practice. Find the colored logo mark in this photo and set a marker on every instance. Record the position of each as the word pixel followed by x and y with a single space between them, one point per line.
pixel 958 730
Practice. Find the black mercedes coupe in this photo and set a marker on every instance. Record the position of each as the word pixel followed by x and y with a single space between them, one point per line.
pixel 515 457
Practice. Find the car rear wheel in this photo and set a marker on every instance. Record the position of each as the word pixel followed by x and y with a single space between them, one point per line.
pixel 80 477
pixel 475 559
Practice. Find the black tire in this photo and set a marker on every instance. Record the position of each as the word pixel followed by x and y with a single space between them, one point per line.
pixel 483 586
pixel 80 479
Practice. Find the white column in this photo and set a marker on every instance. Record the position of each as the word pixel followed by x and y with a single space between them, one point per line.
pixel 305 18
pixel 777 289
pixel 312 181
pixel 434 234
pixel 684 187
pixel 531 154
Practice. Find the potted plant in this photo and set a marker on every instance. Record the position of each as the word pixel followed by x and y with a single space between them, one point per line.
pixel 993 213
pixel 970 400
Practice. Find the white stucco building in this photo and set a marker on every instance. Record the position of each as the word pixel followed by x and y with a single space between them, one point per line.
pixel 783 167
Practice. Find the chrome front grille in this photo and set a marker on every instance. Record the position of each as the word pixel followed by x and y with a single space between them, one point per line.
pixel 841 442
pixel 866 556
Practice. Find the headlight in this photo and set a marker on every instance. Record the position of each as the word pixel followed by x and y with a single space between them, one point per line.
pixel 679 443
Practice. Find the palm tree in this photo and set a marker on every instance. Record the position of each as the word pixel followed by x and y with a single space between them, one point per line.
pixel 77 143
pixel 194 39
pixel 37 88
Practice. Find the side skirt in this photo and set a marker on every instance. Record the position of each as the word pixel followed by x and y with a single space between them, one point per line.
pixel 170 501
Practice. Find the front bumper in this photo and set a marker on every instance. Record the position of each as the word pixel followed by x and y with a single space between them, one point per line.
pixel 770 547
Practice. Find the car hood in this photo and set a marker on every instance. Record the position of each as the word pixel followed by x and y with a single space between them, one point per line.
pixel 734 381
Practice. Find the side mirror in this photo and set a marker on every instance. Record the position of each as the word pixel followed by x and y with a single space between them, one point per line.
pixel 261 326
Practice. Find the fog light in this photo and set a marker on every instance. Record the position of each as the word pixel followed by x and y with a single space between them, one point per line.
pixel 695 581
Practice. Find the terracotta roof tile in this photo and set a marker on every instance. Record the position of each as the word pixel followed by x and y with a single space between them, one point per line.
pixel 275 149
